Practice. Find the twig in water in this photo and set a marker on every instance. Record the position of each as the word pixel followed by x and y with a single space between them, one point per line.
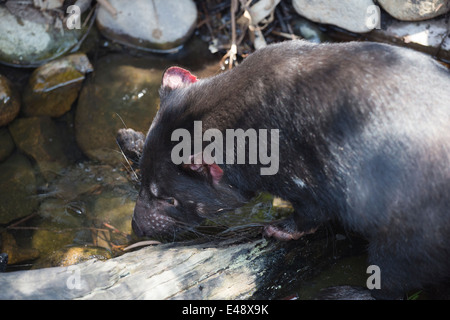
pixel 141 244
pixel 14 225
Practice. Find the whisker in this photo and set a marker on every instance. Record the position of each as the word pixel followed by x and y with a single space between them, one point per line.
pixel 128 163
pixel 218 230
pixel 123 122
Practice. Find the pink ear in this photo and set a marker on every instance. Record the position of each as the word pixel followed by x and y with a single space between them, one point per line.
pixel 176 77
pixel 216 172
pixel 212 170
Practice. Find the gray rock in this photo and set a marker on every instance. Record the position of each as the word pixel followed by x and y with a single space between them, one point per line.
pixel 352 15
pixel 53 87
pixel 48 4
pixel 17 188
pixel 159 25
pixel 32 42
pixel 9 102
pixel 261 9
pixel 415 10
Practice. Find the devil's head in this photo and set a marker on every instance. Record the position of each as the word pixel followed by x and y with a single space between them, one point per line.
pixel 175 197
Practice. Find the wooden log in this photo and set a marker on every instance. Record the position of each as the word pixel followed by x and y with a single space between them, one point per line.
pixel 238 268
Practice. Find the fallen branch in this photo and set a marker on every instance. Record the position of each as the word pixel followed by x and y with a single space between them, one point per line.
pixel 219 269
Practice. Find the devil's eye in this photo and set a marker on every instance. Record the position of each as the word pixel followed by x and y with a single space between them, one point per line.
pixel 171 201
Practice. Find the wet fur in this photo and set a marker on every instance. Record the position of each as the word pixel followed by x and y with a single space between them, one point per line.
pixel 364 139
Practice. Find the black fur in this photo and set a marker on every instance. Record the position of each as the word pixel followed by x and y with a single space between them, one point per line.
pixel 364 126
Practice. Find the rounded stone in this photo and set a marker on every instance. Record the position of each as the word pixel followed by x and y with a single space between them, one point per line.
pixel 72 255
pixel 122 93
pixel 415 10
pixel 9 102
pixel 6 144
pixel 18 188
pixel 351 15
pixel 159 25
pixel 40 138
pixel 53 87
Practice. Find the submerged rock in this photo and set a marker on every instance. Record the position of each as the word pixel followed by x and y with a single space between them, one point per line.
pixel 40 138
pixel 53 87
pixel 50 237
pixel 413 10
pixel 351 15
pixel 9 102
pixel 159 25
pixel 62 212
pixel 86 179
pixel 16 254
pixel 91 204
pixel 72 255
pixel 122 93
pixel 6 144
pixel 17 188
pixel 115 210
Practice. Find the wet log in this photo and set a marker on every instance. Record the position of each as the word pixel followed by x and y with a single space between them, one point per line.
pixel 218 269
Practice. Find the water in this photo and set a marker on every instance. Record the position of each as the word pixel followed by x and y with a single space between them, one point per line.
pixel 59 195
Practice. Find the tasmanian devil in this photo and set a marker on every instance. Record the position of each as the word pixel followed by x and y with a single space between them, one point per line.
pixel 362 137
